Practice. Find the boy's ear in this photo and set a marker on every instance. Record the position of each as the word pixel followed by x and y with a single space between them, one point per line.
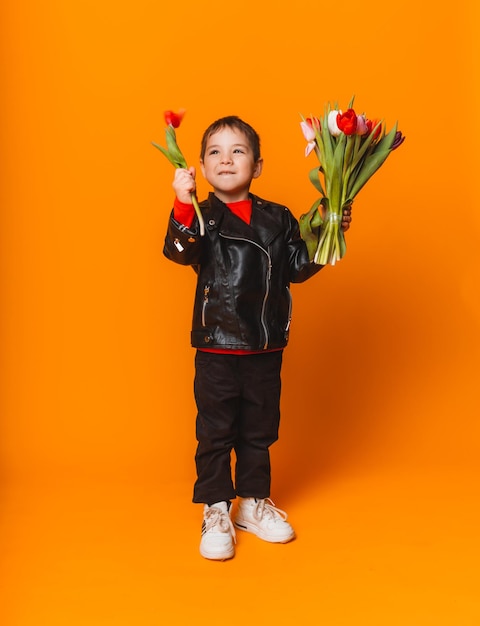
pixel 257 170
pixel 202 168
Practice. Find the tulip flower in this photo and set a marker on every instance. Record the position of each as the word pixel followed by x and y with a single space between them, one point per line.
pixel 314 122
pixel 309 134
pixel 399 139
pixel 375 126
pixel 362 128
pixel 350 148
pixel 173 153
pixel 347 122
pixel 174 119
pixel 332 123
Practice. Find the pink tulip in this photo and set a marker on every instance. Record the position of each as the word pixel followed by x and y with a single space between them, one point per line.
pixel 362 128
pixel 309 134
pixel 314 122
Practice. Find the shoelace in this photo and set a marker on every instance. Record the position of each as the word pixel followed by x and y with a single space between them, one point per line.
pixel 267 508
pixel 216 517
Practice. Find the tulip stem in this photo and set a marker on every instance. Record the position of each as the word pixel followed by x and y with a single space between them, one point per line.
pixel 196 206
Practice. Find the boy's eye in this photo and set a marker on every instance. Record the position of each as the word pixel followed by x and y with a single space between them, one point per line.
pixel 239 150
pixel 213 152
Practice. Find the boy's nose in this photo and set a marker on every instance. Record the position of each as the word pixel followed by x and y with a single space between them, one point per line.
pixel 226 158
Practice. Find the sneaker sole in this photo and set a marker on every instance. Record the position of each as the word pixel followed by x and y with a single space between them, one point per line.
pixel 251 528
pixel 217 557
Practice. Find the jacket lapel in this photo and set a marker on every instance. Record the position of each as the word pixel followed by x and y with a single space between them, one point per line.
pixel 263 223
pixel 262 229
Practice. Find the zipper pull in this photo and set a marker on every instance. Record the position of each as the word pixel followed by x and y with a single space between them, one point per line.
pixel 178 245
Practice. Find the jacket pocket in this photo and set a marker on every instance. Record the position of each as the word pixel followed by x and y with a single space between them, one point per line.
pixel 202 337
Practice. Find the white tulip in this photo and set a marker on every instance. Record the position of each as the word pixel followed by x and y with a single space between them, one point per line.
pixel 332 123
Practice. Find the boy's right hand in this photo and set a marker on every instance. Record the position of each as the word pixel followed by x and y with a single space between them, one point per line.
pixel 184 184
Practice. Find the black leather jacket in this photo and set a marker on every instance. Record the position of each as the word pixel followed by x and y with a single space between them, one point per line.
pixel 242 300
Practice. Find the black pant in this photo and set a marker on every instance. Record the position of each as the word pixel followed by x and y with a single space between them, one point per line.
pixel 238 400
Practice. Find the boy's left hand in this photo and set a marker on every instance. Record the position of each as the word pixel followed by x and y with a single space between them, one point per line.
pixel 346 217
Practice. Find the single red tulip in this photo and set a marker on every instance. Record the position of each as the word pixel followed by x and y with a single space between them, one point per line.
pixel 371 125
pixel 174 119
pixel 347 122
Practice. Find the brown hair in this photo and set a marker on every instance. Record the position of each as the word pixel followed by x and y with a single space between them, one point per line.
pixel 232 121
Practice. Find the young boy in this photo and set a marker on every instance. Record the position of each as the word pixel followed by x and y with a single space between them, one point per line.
pixel 245 262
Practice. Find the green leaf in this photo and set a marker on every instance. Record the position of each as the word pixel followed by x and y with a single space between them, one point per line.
pixel 370 166
pixel 343 245
pixel 317 219
pixel 350 145
pixel 337 169
pixel 387 140
pixel 371 163
pixel 164 152
pixel 173 148
pixel 362 150
pixel 313 175
pixel 171 137
pixel 309 232
pixel 327 144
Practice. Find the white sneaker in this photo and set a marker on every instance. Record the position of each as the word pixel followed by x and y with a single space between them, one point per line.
pixel 218 533
pixel 263 519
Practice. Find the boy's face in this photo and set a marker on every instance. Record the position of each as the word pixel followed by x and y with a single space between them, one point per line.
pixel 229 166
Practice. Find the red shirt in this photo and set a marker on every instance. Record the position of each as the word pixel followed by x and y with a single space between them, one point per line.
pixel 184 213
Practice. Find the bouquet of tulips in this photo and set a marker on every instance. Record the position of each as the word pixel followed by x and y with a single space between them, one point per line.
pixel 175 156
pixel 350 149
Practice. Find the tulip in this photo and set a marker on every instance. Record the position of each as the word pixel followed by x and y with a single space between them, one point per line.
pixel 371 125
pixel 362 128
pixel 347 122
pixel 309 134
pixel 350 149
pixel 314 122
pixel 399 139
pixel 332 123
pixel 174 119
pixel 173 153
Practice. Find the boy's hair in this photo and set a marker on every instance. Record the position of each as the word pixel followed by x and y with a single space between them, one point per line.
pixel 232 121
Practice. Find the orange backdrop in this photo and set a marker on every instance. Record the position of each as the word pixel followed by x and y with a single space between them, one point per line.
pixel 97 367
pixel 378 459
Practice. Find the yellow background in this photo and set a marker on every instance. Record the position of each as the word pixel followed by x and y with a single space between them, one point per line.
pixel 378 460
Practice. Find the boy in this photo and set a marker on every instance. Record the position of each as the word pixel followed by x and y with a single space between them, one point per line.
pixel 245 262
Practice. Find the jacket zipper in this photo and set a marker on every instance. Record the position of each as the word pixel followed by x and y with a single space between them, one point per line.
pixel 206 291
pixel 267 283
pixel 287 328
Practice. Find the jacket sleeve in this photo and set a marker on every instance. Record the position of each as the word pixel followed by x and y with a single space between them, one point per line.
pixel 301 268
pixel 183 245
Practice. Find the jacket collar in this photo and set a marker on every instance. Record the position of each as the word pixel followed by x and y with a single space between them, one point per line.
pixel 262 229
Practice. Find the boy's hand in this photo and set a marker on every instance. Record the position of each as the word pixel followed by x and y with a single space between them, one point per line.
pixel 346 217
pixel 184 184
